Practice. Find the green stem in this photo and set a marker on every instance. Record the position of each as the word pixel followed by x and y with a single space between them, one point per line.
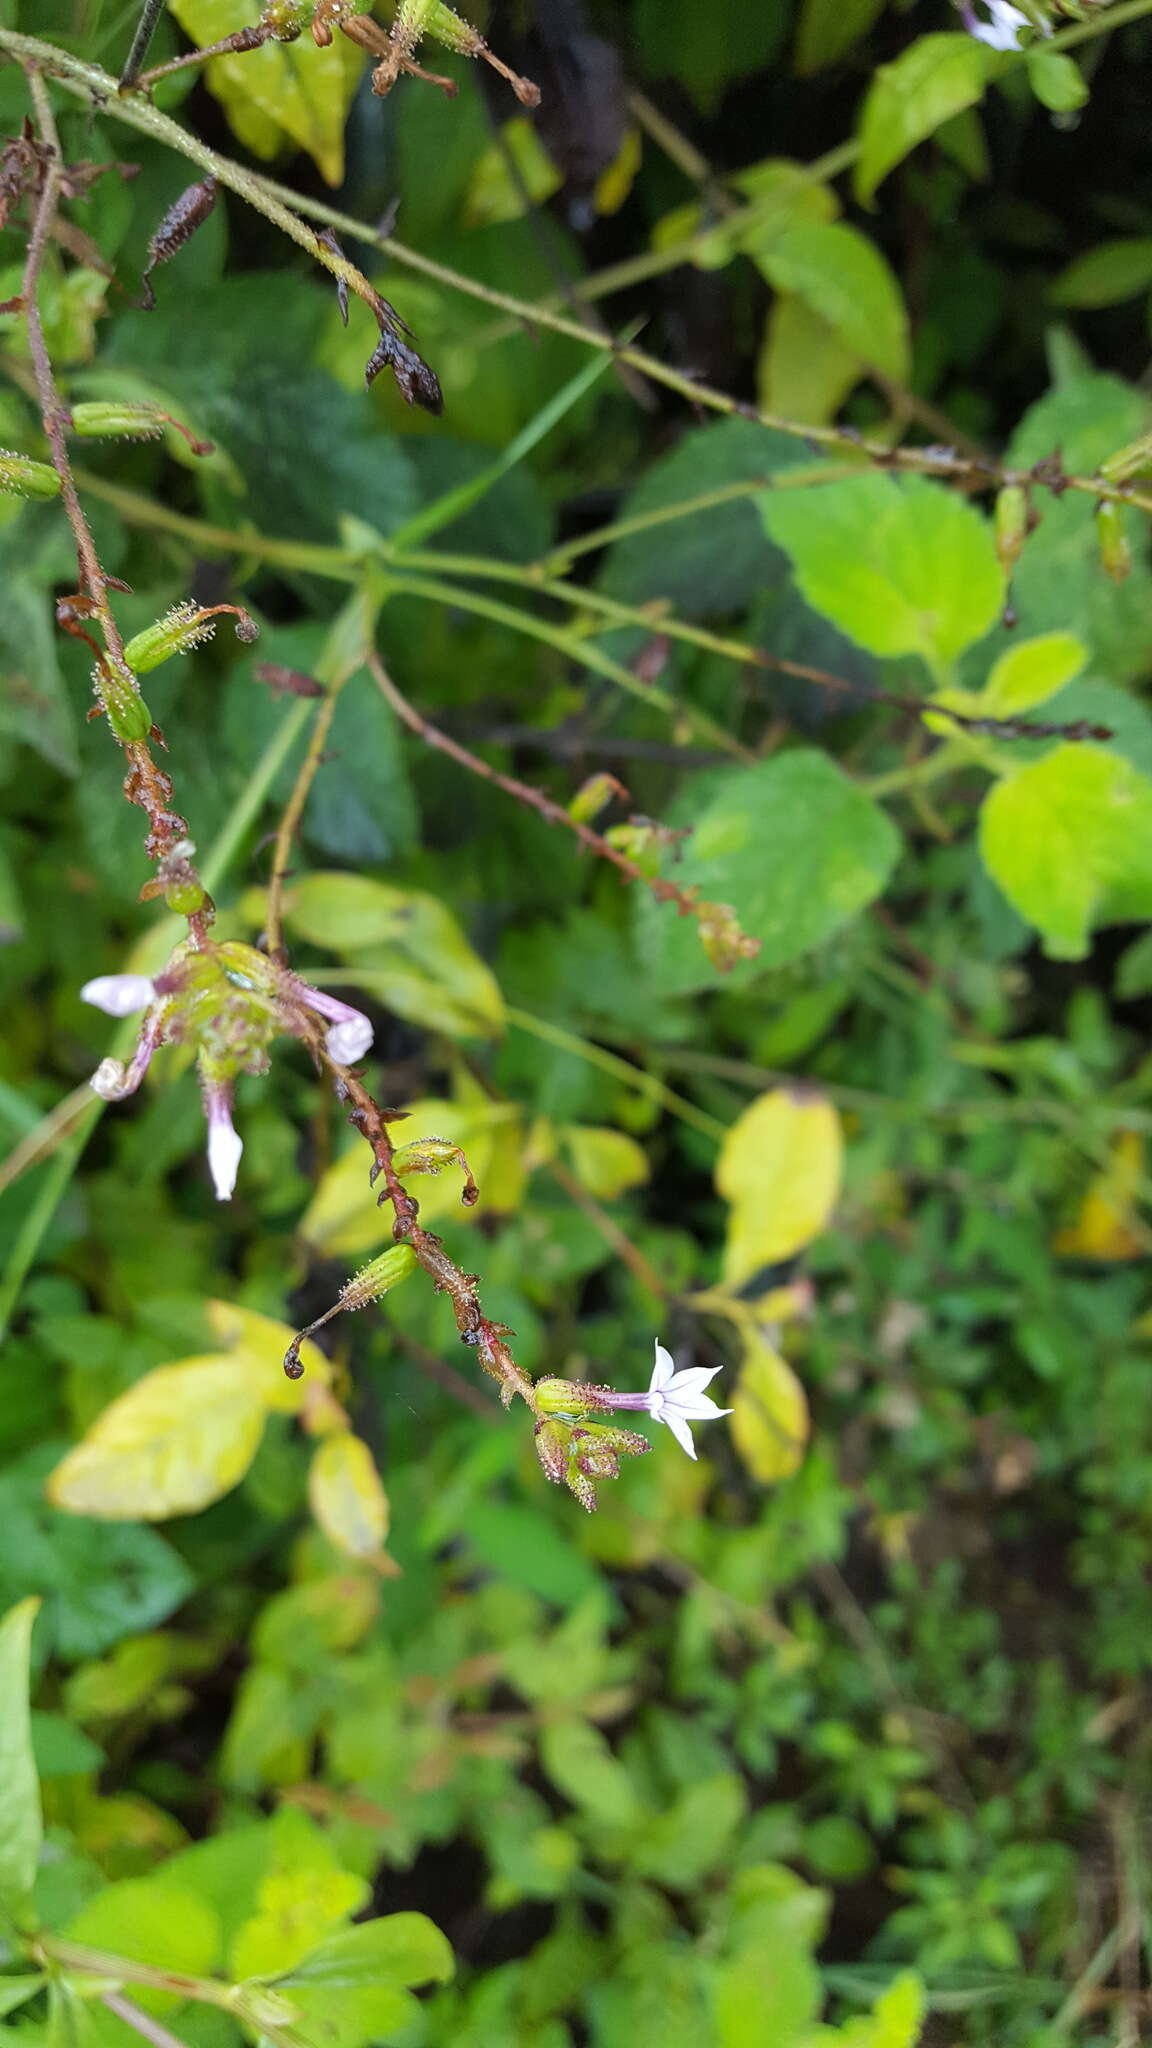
pixel 573 648
pixel 621 1070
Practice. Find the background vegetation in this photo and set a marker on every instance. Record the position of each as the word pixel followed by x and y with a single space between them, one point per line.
pixel 784 531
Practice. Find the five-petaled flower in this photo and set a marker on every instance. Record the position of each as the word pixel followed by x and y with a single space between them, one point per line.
pixel 228 1001
pixel 674 1398
pixel 1001 30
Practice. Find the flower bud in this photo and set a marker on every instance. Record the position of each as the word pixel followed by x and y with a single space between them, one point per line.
pixel 186 626
pixel 723 937
pixel 1115 551
pixel 23 478
pixel 128 714
pixel 594 795
pixel 285 19
pixel 98 419
pixel 1011 525
pixel 551 1439
pixel 379 1276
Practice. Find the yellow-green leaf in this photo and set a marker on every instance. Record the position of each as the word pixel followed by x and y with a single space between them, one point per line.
pixel 406 946
pixel 1031 673
pixel 769 1420
pixel 343 1215
pixel 304 1893
pixel 1107 1224
pixel 346 1495
pixel 1069 840
pixel 178 1439
pixel 20 1823
pixel 935 77
pixel 511 175
pixel 260 1342
pixel 805 370
pixel 780 1169
pixel 605 1162
pixel 285 90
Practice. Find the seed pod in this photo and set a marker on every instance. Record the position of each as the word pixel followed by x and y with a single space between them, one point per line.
pixel 379 1277
pixel 181 221
pixel 418 384
pixel 594 794
pixel 1115 551
pixel 23 478
pixel 129 420
pixel 1011 525
pixel 186 626
pixel 128 714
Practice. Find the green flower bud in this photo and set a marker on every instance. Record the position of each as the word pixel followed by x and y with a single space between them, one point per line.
pixel 1115 551
pixel 116 420
pixel 186 897
pixel 24 478
pixel 379 1276
pixel 128 714
pixel 186 626
pixel 1011 525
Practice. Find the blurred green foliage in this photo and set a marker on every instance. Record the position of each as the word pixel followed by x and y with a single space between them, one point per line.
pixel 838 1736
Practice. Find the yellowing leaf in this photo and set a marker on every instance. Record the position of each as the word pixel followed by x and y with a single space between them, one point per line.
pixel 615 183
pixel 779 1168
pixel 292 90
pixel 805 370
pixel 343 1216
pixel 605 1162
pixel 769 1420
pixel 346 1496
pixel 261 1342
pixel 178 1439
pixel 1103 1227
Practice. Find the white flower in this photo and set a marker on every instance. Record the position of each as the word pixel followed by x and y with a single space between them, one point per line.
pixel 678 1398
pixel 225 1145
pixel 118 995
pixel 1002 29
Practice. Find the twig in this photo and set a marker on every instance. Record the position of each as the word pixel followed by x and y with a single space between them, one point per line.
pixel 290 822
pixel 523 792
pixel 145 29
pixel 142 2022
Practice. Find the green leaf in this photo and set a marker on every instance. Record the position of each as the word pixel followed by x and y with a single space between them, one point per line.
pixel 61 1749
pixel 843 277
pixel 34 704
pixel 1069 840
pixel 936 77
pixel 705 47
pixel 903 568
pixel 16 1991
pixel 707 562
pixel 1057 82
pixel 99 1582
pixel 1106 275
pixel 401 1948
pixel 179 1438
pixel 20 1822
pixel 827 29
pixel 792 844
pixel 579 1762
pixel 151 1920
